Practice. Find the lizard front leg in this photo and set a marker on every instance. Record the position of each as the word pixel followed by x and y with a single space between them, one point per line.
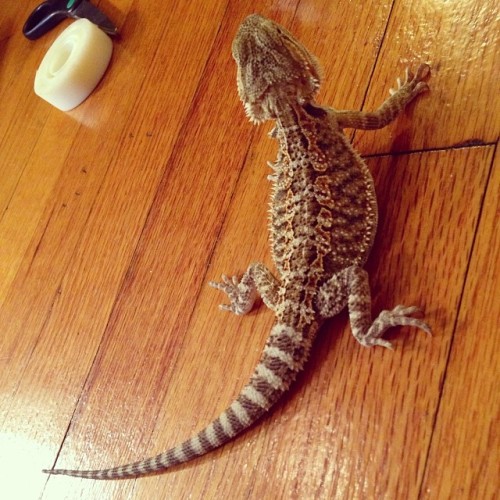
pixel 350 287
pixel 391 108
pixel 257 280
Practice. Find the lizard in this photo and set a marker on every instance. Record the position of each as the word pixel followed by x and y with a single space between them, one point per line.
pixel 323 218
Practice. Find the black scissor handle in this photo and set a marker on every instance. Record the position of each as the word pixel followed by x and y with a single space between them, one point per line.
pixel 46 16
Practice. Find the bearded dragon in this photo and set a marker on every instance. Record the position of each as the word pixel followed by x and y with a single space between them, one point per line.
pixel 323 220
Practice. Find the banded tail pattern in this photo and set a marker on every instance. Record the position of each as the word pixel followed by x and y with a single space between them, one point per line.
pixel 283 357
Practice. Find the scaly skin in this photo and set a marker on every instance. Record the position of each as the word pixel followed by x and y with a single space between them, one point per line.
pixel 323 220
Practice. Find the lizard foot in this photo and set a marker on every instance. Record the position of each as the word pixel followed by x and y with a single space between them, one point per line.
pixel 399 316
pixel 241 295
pixel 416 84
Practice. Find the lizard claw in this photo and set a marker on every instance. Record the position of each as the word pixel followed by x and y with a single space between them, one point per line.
pixel 399 316
pixel 415 83
pixel 241 296
pixel 423 71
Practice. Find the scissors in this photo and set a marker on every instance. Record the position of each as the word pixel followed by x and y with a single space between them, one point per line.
pixel 50 13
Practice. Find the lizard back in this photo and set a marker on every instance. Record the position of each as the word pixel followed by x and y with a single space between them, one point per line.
pixel 323 206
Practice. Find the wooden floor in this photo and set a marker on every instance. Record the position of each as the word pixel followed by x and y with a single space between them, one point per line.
pixel 115 215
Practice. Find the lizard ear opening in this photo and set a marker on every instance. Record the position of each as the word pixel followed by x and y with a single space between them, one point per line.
pixel 258 112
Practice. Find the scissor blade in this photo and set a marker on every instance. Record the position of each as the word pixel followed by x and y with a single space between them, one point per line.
pixel 87 10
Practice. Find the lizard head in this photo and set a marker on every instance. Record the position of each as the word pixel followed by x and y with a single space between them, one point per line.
pixel 272 65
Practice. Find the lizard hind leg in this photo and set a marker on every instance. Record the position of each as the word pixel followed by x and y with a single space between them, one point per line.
pixel 257 280
pixel 350 287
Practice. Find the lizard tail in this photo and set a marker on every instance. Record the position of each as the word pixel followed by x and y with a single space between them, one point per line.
pixel 283 357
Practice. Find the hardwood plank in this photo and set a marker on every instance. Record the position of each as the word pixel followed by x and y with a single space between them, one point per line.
pixel 13 19
pixel 464 455
pixel 89 163
pixel 37 151
pixel 114 216
pixel 91 235
pixel 347 51
pixel 175 234
pixel 354 411
pixel 461 45
pixel 162 301
pixel 19 132
pixel 26 197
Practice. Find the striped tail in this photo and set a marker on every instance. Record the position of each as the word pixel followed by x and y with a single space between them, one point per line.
pixel 283 357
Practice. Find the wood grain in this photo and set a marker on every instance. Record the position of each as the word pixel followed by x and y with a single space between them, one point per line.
pixel 114 216
pixel 461 44
pixel 465 444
